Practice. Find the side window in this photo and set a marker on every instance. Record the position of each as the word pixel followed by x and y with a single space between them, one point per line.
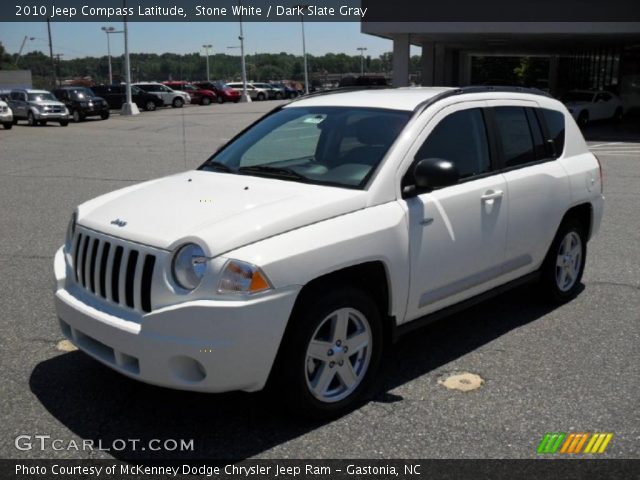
pixel 515 135
pixel 460 138
pixel 555 126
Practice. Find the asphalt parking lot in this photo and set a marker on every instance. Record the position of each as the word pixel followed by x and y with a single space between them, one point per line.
pixel 568 369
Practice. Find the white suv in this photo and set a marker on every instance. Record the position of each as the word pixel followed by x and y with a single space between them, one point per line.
pixel 175 98
pixel 297 266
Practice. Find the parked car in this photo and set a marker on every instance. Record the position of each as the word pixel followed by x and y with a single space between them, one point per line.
pixel 274 93
pixel 82 103
pixel 588 105
pixel 223 92
pixel 200 96
pixel 288 91
pixel 6 115
pixel 37 107
pixel 363 81
pixel 312 259
pixel 254 92
pixel 175 98
pixel 116 96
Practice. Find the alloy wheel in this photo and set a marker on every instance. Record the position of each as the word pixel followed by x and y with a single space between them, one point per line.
pixel 568 261
pixel 338 355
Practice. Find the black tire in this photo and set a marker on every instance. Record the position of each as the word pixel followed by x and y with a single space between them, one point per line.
pixel 290 380
pixel 220 99
pixel 583 119
pixel 150 106
pixel 178 102
pixel 8 125
pixel 205 101
pixel 15 121
pixel 261 97
pixel 104 115
pixel 550 283
pixel 77 116
pixel 64 123
pixel 617 116
pixel 31 120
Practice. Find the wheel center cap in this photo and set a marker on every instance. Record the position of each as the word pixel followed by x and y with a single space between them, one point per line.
pixel 338 354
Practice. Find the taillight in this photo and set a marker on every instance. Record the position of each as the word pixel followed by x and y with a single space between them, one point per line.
pixel 600 172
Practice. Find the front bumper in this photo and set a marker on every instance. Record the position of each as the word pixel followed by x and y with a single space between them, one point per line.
pixel 38 115
pixel 6 117
pixel 204 345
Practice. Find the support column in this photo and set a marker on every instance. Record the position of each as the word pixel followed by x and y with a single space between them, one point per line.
pixel 554 60
pixel 400 60
pixel 438 70
pixel 427 64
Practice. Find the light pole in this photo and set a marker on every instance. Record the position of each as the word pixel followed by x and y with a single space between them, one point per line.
pixel 362 50
pixel 128 108
pixel 304 50
pixel 24 40
pixel 245 98
pixel 108 31
pixel 207 47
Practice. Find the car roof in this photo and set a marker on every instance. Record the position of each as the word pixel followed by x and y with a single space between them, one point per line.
pixel 404 98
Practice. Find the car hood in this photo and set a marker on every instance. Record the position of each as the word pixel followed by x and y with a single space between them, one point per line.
pixel 48 103
pixel 219 211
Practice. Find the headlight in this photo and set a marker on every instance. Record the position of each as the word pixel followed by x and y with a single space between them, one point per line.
pixel 40 108
pixel 242 277
pixel 71 230
pixel 189 266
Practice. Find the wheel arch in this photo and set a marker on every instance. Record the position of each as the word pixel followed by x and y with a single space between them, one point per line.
pixel 582 212
pixel 371 277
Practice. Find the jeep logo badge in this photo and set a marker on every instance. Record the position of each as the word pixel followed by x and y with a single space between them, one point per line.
pixel 118 222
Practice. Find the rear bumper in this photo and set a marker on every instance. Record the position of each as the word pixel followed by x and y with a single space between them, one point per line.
pixel 211 346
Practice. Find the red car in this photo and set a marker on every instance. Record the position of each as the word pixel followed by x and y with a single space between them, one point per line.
pixel 201 96
pixel 224 93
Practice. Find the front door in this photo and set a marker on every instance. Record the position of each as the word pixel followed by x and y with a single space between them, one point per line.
pixel 457 233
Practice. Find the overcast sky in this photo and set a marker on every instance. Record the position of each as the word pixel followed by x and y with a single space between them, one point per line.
pixel 86 39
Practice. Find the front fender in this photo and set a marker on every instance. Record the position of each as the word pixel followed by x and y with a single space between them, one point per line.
pixel 377 233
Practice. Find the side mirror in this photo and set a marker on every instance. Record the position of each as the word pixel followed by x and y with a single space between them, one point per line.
pixel 430 173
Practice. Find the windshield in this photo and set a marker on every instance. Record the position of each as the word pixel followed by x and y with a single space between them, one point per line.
pixel 81 93
pixel 339 146
pixel 221 85
pixel 39 97
pixel 578 97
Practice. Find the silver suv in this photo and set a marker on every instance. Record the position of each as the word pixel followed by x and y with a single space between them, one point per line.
pixel 37 107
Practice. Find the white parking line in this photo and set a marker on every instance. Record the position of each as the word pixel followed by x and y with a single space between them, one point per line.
pixel 604 144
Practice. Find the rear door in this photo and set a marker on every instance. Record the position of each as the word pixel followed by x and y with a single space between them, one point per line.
pixel 537 185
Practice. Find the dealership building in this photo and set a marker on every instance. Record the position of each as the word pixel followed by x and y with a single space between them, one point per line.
pixel 566 55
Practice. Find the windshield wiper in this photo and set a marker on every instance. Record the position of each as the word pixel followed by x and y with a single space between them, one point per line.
pixel 218 166
pixel 283 172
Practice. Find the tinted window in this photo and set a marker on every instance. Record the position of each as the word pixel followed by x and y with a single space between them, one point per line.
pixel 515 134
pixel 536 133
pixel 460 138
pixel 555 126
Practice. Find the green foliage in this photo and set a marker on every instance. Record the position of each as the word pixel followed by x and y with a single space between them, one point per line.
pixel 192 66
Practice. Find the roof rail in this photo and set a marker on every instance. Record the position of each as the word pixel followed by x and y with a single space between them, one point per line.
pixel 478 89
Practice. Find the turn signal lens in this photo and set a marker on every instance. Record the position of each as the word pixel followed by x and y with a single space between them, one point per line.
pixel 242 277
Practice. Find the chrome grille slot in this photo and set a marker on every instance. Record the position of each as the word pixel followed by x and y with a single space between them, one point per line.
pixel 114 270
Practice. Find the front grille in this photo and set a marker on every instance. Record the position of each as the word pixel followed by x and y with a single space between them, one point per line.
pixel 53 109
pixel 118 272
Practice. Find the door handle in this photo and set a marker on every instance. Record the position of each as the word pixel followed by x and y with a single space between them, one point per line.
pixel 491 195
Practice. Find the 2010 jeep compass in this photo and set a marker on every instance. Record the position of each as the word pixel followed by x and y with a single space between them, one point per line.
pixel 301 248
